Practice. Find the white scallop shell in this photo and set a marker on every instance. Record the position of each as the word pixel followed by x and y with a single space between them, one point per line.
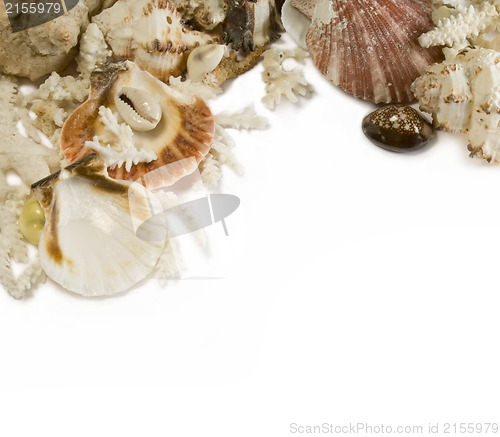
pixel 89 243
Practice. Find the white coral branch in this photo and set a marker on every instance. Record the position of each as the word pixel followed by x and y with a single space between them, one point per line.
pixel 118 139
pixel 457 30
pixel 247 118
pixel 280 82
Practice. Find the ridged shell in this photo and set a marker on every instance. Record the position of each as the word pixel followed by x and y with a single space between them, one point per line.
pixel 444 91
pixel 151 33
pixel 369 47
pixel 89 243
pixel 183 135
pixel 463 95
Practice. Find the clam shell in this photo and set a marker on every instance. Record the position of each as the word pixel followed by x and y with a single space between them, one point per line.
pixel 184 133
pixel 369 47
pixel 89 243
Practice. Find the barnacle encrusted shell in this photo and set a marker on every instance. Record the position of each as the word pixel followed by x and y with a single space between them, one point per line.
pixel 445 92
pixel 89 243
pixel 184 133
pixel 369 47
pixel 47 47
pixel 151 33
pixel 463 94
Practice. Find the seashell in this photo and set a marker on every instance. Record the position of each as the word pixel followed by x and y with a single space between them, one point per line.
pixel 138 108
pixel 305 6
pixel 398 128
pixel 204 14
pixel 151 33
pixel 251 24
pixel 204 59
pixel 89 243
pixel 444 91
pixel 295 22
pixel 185 130
pixel 369 47
pixel 463 95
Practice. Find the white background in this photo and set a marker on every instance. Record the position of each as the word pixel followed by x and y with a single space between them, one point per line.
pixel 363 287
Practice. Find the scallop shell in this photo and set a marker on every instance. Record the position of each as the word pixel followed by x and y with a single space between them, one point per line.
pixel 89 243
pixel 151 33
pixel 369 47
pixel 183 135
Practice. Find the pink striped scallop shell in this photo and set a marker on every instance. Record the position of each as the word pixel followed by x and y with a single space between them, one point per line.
pixel 369 47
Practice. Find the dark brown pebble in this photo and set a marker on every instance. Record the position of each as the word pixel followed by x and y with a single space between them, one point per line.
pixel 398 128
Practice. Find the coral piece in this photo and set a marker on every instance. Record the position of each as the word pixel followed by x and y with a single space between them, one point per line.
pixel 461 26
pixel 152 34
pixel 48 47
pixel 369 47
pixel 221 151
pixel 463 94
pixel 54 100
pixel 124 150
pixel 29 159
pixel 13 248
pixel 280 82
pixel 246 118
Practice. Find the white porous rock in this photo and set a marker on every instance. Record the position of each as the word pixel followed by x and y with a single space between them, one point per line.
pixel 463 95
pixel 51 46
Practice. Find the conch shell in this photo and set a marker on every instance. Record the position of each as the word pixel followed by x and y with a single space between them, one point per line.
pixel 369 47
pixel 89 243
pixel 181 128
pixel 152 34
